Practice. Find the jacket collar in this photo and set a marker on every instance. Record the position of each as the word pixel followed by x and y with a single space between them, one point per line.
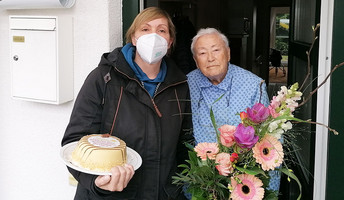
pixel 116 59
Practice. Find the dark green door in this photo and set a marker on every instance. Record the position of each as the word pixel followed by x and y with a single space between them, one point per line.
pixel 129 11
pixel 304 15
pixel 335 175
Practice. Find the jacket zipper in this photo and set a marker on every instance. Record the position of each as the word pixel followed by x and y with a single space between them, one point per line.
pixel 156 109
pixel 155 106
pixel 169 87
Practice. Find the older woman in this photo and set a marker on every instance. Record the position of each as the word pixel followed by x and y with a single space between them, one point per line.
pixel 136 93
pixel 216 77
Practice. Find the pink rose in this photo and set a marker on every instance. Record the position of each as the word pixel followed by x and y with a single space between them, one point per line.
pixel 273 112
pixel 224 164
pixel 227 135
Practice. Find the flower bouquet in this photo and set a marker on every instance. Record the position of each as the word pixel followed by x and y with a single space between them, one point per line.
pixel 237 166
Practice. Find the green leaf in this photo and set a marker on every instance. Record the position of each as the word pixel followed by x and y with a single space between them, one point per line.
pixel 185 171
pixel 271 196
pixel 197 194
pixel 218 99
pixel 193 159
pixel 221 185
pixel 289 118
pixel 212 117
pixel 252 171
pixel 292 175
pixel 183 166
pixel 191 147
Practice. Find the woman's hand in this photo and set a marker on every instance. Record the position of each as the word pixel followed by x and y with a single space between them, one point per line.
pixel 121 175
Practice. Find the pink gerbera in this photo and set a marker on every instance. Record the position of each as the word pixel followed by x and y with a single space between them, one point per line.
pixel 248 188
pixel 268 152
pixel 206 149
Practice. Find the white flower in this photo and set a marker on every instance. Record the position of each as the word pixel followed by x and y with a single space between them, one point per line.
pixel 277 133
pixel 291 104
pixel 295 98
pixel 273 126
pixel 284 90
pixel 298 94
pixel 279 98
pixel 286 126
pixel 282 94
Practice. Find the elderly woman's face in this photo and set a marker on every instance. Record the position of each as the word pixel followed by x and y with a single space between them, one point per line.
pixel 158 26
pixel 212 57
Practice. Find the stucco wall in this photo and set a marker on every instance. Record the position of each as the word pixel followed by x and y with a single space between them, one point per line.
pixel 30 133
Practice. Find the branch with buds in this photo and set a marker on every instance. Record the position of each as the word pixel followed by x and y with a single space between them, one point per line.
pixel 307 98
pixel 315 37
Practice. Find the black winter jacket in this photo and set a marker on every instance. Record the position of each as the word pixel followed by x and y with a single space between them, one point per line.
pixel 154 127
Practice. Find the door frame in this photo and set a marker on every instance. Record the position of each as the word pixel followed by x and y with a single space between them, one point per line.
pixel 323 99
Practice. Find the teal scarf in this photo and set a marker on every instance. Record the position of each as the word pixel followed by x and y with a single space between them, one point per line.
pixel 149 84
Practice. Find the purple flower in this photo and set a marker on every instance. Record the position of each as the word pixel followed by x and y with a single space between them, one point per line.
pixel 258 113
pixel 245 137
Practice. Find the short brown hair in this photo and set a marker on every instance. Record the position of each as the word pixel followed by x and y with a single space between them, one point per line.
pixel 149 14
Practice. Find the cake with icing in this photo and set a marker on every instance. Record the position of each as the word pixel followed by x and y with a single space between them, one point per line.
pixel 99 152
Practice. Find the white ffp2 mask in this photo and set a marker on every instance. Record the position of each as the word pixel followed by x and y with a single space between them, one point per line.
pixel 151 47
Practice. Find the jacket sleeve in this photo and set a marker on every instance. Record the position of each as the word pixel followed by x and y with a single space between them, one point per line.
pixel 186 135
pixel 86 119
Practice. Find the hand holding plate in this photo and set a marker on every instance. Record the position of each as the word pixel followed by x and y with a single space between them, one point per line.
pixel 118 180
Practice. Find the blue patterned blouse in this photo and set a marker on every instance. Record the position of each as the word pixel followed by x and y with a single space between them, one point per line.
pixel 240 89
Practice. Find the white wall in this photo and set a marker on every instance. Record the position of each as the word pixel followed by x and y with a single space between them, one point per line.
pixel 30 133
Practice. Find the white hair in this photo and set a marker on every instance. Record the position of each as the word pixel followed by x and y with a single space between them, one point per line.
pixel 205 31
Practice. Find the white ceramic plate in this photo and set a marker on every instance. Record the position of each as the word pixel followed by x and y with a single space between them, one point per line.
pixel 133 158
